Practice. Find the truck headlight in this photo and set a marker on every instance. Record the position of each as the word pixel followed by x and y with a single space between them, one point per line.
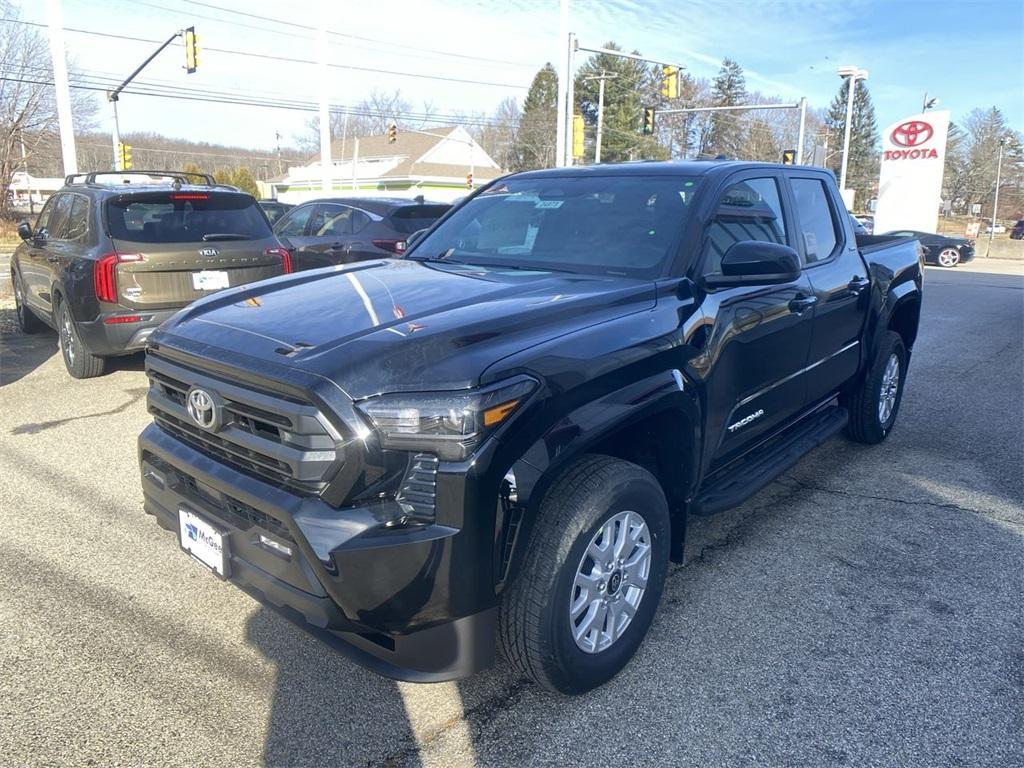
pixel 448 424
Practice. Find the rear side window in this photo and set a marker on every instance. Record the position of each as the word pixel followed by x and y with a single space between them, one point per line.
pixel 185 217
pixel 59 217
pixel 331 220
pixel 748 210
pixel 78 219
pixel 411 218
pixel 817 225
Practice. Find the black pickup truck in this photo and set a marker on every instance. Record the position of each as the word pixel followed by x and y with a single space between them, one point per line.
pixel 497 440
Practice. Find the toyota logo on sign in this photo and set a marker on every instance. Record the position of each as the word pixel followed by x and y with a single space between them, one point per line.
pixel 911 133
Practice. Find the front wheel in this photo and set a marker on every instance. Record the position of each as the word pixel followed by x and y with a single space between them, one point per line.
pixel 592 578
pixel 949 257
pixel 80 363
pixel 874 405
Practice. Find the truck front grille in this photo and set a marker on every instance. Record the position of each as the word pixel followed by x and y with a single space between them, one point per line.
pixel 275 438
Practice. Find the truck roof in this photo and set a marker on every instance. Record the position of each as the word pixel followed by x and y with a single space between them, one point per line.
pixel 662 168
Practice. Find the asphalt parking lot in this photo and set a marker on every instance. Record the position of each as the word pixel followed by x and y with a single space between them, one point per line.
pixel 867 609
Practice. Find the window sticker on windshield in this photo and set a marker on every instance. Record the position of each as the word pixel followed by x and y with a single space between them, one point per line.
pixel 549 204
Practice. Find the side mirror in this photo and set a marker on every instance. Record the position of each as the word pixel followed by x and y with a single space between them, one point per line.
pixel 24 230
pixel 415 237
pixel 752 262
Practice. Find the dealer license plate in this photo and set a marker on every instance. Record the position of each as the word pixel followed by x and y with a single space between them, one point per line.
pixel 203 541
pixel 210 280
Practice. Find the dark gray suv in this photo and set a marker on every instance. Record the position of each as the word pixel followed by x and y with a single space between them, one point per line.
pixel 113 255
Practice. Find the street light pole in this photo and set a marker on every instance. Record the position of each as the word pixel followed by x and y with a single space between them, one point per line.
pixel 852 74
pixel 600 111
pixel 995 202
pixel 563 82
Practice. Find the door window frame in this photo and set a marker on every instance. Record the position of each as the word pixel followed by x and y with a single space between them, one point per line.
pixel 785 201
pixel 291 215
pixel 324 206
pixel 63 234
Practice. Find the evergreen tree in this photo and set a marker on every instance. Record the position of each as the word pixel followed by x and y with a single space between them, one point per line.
pixel 630 86
pixel 534 145
pixel 862 168
pixel 726 133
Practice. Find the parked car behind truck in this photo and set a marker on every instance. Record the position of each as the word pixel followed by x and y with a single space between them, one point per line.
pixel 113 255
pixel 498 440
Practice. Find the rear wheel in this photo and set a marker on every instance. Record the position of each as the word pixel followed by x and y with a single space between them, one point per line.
pixel 592 578
pixel 949 257
pixel 873 407
pixel 27 320
pixel 80 363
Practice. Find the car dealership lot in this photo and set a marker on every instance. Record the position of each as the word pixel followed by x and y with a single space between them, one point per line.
pixel 866 609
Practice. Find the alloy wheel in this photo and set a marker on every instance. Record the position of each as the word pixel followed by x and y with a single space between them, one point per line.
pixel 67 336
pixel 949 257
pixel 890 387
pixel 610 582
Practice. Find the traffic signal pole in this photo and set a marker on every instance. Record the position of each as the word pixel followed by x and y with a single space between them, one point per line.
pixel 114 95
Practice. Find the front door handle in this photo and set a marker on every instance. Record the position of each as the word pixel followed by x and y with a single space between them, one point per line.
pixel 53 259
pixel 802 303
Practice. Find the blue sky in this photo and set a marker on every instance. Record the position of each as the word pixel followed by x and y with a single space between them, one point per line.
pixel 968 54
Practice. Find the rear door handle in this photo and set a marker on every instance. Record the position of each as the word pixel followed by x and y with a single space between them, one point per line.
pixel 801 304
pixel 857 285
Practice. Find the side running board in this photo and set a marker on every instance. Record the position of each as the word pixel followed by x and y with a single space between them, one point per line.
pixel 756 470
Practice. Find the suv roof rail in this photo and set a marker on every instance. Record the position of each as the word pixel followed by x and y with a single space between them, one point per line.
pixel 182 177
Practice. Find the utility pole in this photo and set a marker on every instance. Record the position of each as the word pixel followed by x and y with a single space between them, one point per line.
pixel 995 202
pixel 570 99
pixel 600 111
pixel 62 92
pixel 326 181
pixel 563 81
pixel 28 176
pixel 800 131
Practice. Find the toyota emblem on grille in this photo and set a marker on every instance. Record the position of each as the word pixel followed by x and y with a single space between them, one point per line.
pixel 202 409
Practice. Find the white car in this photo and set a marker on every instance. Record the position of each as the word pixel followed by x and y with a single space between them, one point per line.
pixel 999 229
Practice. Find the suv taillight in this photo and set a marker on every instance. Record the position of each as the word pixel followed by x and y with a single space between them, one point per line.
pixel 284 255
pixel 395 246
pixel 104 275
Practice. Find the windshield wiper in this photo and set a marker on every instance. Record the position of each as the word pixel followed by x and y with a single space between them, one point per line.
pixel 224 236
pixel 443 256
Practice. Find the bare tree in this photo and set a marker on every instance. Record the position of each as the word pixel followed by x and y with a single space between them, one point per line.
pixel 371 116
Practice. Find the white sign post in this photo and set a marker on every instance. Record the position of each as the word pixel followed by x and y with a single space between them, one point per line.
pixel 910 178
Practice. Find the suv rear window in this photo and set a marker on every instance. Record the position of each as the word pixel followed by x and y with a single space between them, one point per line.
pixel 410 218
pixel 185 217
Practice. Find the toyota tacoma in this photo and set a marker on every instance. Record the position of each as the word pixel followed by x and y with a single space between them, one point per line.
pixel 496 441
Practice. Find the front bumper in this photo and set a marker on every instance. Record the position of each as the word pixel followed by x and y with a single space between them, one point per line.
pixel 389 599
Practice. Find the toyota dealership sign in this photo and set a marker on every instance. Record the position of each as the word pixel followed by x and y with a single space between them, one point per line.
pixel 910 180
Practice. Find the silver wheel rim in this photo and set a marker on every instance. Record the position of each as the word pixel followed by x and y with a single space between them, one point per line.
pixel 948 257
pixel 610 582
pixel 67 336
pixel 19 301
pixel 890 386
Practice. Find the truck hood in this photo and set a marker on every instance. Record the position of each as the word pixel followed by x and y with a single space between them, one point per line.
pixel 402 325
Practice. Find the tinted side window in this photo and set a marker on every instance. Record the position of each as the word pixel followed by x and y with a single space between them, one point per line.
pixel 295 224
pixel 59 217
pixel 44 216
pixel 331 220
pixel 817 225
pixel 359 220
pixel 748 210
pixel 78 219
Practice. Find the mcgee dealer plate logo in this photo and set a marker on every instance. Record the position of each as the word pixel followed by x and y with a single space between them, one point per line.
pixel 911 135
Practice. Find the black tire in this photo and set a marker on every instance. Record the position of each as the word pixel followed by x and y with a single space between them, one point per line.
pixel 866 424
pixel 535 628
pixel 79 361
pixel 27 320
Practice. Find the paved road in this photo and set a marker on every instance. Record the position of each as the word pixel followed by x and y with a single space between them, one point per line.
pixel 864 610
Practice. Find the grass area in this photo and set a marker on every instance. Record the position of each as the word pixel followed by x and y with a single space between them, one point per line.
pixel 8 234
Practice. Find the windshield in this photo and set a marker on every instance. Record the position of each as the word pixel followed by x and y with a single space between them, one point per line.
pixel 621 225
pixel 185 217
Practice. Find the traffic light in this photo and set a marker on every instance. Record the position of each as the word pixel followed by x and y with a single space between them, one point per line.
pixel 191 50
pixel 124 152
pixel 469 180
pixel 788 156
pixel 392 133
pixel 648 121
pixel 670 81
pixel 577 136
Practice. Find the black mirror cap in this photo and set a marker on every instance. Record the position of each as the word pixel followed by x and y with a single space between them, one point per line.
pixel 24 230
pixel 754 262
